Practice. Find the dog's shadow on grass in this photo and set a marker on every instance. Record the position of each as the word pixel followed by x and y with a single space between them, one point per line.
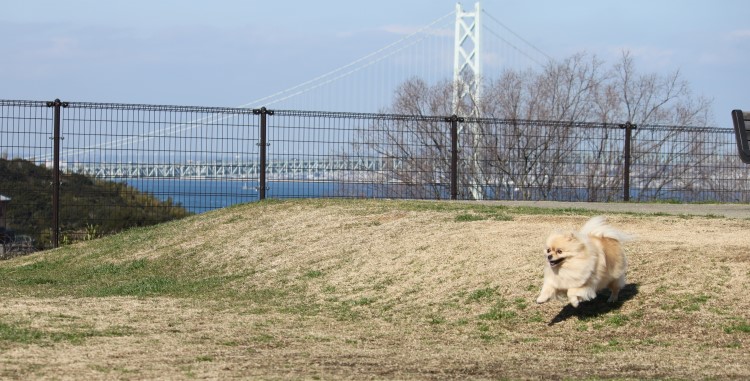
pixel 596 307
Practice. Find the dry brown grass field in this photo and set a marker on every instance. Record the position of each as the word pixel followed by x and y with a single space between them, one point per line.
pixel 356 289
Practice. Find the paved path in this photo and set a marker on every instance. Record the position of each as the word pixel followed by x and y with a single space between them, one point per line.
pixel 725 210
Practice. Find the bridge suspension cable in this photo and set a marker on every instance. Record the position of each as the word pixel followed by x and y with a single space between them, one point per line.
pixel 516 35
pixel 352 67
pixel 368 83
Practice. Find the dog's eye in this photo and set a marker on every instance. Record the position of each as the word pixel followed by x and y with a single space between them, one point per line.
pixel 559 251
pixel 548 251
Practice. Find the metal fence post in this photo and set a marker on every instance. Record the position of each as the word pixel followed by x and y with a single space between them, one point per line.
pixel 454 119
pixel 629 127
pixel 56 171
pixel 263 112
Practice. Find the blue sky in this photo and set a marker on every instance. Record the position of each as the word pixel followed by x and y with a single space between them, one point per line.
pixel 227 53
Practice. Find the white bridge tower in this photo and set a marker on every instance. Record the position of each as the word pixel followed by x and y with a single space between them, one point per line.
pixel 467 82
pixel 467 63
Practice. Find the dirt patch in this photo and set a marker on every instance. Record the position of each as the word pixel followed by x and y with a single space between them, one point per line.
pixel 387 290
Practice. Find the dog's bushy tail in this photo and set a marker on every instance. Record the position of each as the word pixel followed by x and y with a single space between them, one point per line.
pixel 598 227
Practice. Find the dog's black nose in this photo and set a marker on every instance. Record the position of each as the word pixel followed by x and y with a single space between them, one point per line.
pixel 549 257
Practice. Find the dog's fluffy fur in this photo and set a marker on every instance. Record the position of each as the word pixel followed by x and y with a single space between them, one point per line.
pixel 580 264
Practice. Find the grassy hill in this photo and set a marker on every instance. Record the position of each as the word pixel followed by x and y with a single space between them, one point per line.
pixel 87 206
pixel 354 289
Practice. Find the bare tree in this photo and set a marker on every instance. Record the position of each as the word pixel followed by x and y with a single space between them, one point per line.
pixel 661 154
pixel 655 99
pixel 415 137
pixel 536 155
pixel 547 134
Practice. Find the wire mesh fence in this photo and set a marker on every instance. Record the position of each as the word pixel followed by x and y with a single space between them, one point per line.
pixel 190 156
pixel 124 165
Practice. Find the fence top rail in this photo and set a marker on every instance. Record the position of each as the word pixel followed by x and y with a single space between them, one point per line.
pixel 350 115
pixel 525 122
pixel 22 103
pixel 663 127
pixel 370 116
pixel 558 123
pixel 165 108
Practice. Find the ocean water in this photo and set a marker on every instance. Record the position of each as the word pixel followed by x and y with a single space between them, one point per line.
pixel 201 195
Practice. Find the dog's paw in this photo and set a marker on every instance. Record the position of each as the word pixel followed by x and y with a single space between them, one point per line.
pixel 590 294
pixel 574 301
pixel 546 294
pixel 613 296
pixel 544 297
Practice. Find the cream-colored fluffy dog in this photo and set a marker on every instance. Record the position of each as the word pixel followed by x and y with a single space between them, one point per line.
pixel 580 264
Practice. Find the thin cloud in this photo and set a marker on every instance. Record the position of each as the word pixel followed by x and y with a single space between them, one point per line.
pixel 62 47
pixel 405 30
pixel 649 55
pixel 740 34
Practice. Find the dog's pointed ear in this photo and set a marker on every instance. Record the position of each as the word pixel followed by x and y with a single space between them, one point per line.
pixel 570 236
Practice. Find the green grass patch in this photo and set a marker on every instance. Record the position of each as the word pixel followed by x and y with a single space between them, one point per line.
pixel 612 345
pixel 686 302
pixel 469 217
pixel 64 275
pixel 532 210
pixel 344 312
pixel 520 303
pixel 302 308
pixel 18 334
pixel 535 317
pixel 312 274
pixel 436 319
pixel 147 286
pixel 617 320
pixel 499 311
pixel 364 301
pixel 741 326
pixel 21 334
pixel 482 294
pixel 465 211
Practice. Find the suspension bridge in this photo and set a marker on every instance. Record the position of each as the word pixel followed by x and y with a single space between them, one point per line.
pixel 466 46
pixel 280 169
pixel 465 43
